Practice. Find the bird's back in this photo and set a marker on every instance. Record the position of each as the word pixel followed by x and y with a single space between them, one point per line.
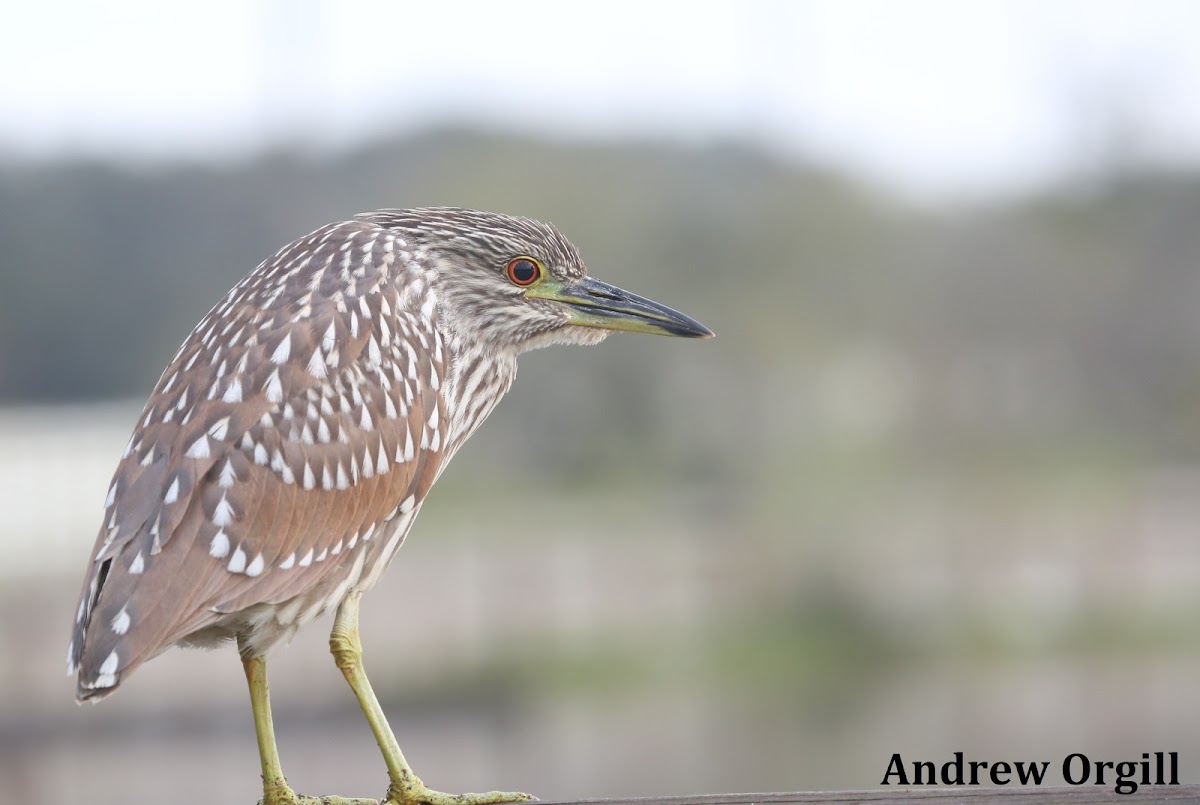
pixel 280 459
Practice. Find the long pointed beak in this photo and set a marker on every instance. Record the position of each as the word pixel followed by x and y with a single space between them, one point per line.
pixel 593 303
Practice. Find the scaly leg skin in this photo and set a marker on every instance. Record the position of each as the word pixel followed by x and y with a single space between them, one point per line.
pixel 405 788
pixel 276 791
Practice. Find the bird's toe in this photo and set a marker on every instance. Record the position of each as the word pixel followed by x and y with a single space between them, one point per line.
pixel 420 795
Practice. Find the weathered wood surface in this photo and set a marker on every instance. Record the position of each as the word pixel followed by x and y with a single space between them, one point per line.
pixel 1033 795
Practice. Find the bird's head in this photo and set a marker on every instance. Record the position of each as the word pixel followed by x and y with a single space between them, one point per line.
pixel 515 284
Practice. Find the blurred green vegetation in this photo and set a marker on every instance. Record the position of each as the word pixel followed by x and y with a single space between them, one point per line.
pixel 1001 331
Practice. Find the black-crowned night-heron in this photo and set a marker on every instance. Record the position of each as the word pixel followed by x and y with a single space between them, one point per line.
pixel 288 446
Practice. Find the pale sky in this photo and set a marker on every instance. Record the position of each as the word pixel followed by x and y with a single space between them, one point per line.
pixel 930 96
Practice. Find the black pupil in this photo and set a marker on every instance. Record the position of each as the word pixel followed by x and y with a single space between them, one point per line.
pixel 524 271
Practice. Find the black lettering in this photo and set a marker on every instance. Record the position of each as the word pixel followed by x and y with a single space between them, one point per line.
pixel 976 766
pixel 1146 768
pixel 1125 771
pixel 999 768
pixel 955 766
pixel 1100 770
pixel 896 767
pixel 1085 768
pixel 920 769
pixel 1174 768
pixel 1025 774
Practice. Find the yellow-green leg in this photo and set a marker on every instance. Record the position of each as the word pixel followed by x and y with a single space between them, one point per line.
pixel 405 788
pixel 276 791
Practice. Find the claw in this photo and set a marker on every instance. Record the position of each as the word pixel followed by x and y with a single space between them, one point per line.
pixel 419 794
pixel 298 799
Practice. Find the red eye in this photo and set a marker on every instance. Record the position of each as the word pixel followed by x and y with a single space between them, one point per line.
pixel 523 271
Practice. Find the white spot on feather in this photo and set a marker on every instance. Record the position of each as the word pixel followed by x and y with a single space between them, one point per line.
pixel 316 365
pixel 286 564
pixel 108 672
pixel 368 470
pixel 120 621
pixel 281 466
pixel 409 450
pixel 233 394
pixel 219 548
pixel 237 562
pixel 255 568
pixel 198 448
pixel 219 429
pixel 228 476
pixel 138 565
pixel 283 351
pixel 223 515
pixel 172 491
pixel 274 388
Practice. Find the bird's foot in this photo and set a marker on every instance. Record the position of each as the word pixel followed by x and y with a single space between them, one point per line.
pixel 282 794
pixel 413 792
pixel 278 792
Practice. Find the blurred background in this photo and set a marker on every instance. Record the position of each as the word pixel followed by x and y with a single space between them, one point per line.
pixel 933 488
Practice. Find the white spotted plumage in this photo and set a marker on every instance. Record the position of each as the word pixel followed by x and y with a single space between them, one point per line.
pixel 337 377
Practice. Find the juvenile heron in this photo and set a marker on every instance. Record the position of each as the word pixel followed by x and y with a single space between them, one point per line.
pixel 290 443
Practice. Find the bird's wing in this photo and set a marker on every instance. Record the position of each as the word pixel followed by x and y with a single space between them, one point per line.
pixel 294 420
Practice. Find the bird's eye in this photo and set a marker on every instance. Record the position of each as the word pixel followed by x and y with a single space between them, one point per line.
pixel 524 271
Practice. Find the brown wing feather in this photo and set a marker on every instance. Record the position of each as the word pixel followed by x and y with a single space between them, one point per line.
pixel 290 424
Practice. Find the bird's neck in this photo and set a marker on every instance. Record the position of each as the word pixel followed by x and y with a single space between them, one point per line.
pixel 478 378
